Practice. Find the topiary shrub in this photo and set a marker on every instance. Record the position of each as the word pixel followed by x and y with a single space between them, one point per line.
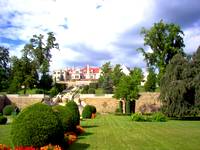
pixel 3 120
pixel 138 117
pixel 36 126
pixel 91 91
pixel 73 107
pixel 158 117
pixel 7 110
pixel 66 117
pixel 120 107
pixel 88 110
pixel 128 107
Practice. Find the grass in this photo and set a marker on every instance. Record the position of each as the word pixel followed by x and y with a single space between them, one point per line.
pixel 109 132
pixel 5 134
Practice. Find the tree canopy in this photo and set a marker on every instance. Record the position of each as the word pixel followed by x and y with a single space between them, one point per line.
pixel 150 84
pixel 180 86
pixel 165 40
pixel 4 67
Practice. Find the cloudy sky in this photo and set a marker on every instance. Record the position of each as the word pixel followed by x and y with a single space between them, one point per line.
pixel 95 31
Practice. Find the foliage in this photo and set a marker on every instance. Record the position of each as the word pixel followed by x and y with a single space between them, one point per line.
pixel 85 89
pixel 180 87
pixel 4 68
pixel 93 85
pixel 3 120
pixel 127 89
pixel 137 75
pixel 150 84
pixel 46 82
pixel 57 88
pixel 91 91
pixel 120 107
pixel 36 126
pixel 128 107
pixel 117 74
pixel 66 117
pixel 8 109
pixel 73 107
pixel 158 117
pixel 165 41
pixel 137 117
pixel 88 110
pixel 23 73
pixel 105 80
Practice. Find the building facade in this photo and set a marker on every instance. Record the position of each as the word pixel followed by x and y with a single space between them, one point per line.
pixel 72 73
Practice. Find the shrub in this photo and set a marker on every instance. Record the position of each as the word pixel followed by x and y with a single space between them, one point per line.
pixel 39 91
pixel 91 91
pixel 7 110
pixel 36 126
pixel 88 110
pixel 73 107
pixel 3 120
pixel 138 117
pixel 93 85
pixel 158 117
pixel 85 89
pixel 66 117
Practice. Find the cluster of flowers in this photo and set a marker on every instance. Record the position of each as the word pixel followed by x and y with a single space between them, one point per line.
pixel 47 147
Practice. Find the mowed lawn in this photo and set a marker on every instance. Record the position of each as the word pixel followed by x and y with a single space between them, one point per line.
pixel 110 132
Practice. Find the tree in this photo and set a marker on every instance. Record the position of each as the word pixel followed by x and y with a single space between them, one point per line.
pixel 46 82
pixel 150 84
pixel 137 75
pixel 165 41
pixel 40 51
pixel 179 88
pixel 23 74
pixel 105 80
pixel 4 68
pixel 117 74
pixel 127 88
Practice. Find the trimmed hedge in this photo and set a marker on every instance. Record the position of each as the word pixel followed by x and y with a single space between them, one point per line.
pixel 36 126
pixel 66 117
pixel 158 117
pixel 88 110
pixel 8 109
pixel 73 107
pixel 3 120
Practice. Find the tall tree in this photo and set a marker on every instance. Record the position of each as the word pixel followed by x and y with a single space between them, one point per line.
pixel 105 79
pixel 137 75
pixel 40 51
pixel 150 84
pixel 165 41
pixel 117 74
pixel 4 67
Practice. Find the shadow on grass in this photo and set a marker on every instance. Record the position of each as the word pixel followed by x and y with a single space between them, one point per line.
pixel 83 135
pixel 79 146
pixel 93 126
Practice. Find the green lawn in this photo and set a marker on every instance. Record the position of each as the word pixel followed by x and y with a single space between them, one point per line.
pixel 5 134
pixel 109 132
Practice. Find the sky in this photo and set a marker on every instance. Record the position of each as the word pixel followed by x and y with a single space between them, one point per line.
pixel 95 31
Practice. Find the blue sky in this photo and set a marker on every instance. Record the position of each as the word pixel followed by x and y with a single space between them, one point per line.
pixel 95 31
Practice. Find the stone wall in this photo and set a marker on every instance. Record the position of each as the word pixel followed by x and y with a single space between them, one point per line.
pixel 103 105
pixel 24 101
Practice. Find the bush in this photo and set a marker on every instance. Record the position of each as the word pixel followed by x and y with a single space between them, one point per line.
pixel 85 89
pixel 158 117
pixel 88 110
pixel 3 120
pixel 39 91
pixel 7 110
pixel 138 117
pixel 73 107
pixel 91 91
pixel 93 85
pixel 66 117
pixel 36 126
